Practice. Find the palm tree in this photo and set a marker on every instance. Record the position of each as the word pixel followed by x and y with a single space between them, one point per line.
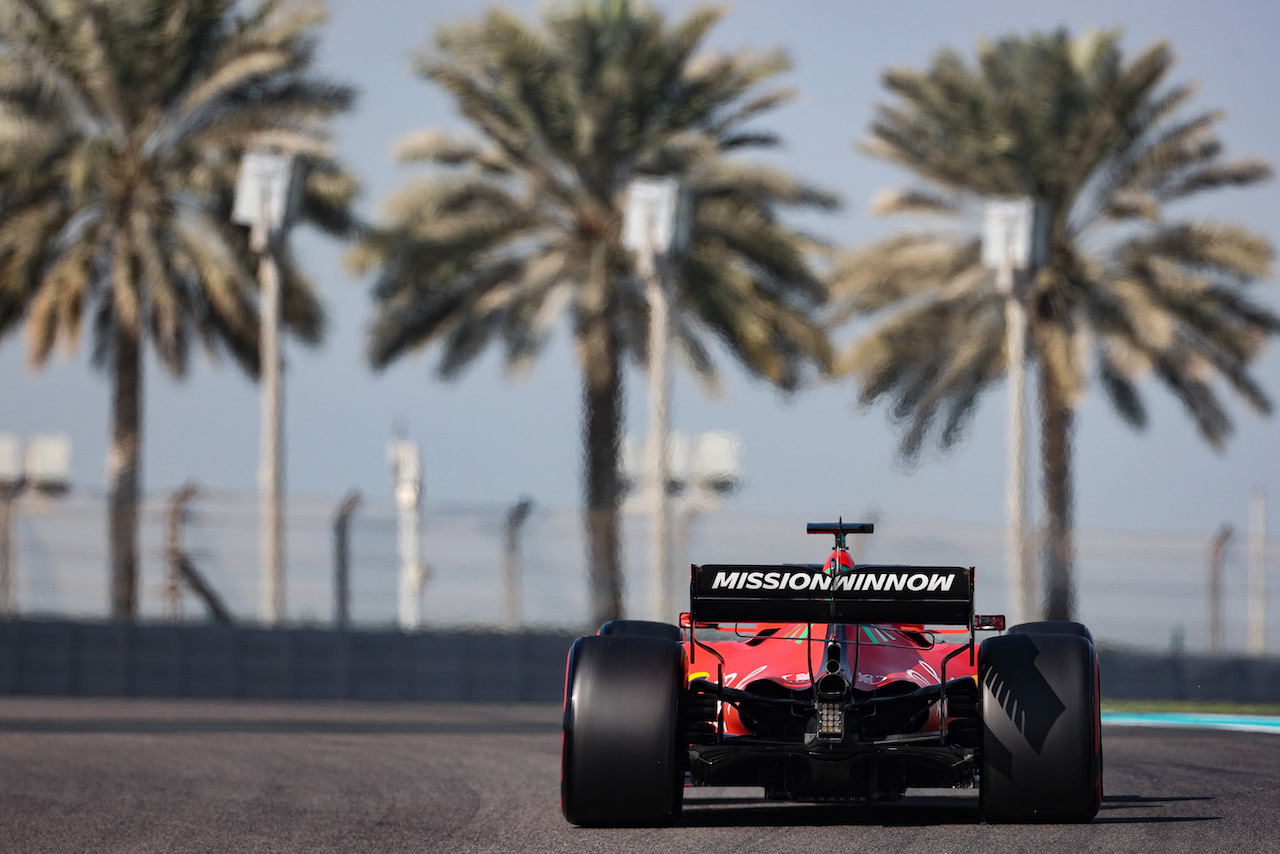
pixel 1127 290
pixel 510 233
pixel 123 123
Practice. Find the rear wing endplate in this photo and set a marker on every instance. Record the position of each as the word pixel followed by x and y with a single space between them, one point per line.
pixel 924 595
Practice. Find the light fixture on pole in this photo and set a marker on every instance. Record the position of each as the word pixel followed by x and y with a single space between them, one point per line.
pixel 704 470
pixel 1015 242
pixel 714 473
pixel 656 225
pixel 44 467
pixel 266 197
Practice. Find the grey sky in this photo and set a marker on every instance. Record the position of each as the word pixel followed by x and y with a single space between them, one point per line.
pixel 488 438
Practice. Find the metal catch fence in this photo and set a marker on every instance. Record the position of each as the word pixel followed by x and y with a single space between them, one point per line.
pixel 1144 590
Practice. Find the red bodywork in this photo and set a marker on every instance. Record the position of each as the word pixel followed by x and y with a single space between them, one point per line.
pixel 885 655
pixel 786 654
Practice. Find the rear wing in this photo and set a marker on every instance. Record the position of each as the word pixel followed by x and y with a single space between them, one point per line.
pixel 924 595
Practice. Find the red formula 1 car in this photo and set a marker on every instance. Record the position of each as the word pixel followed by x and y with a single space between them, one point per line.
pixel 831 682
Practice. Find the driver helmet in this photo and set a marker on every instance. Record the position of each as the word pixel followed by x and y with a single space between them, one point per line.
pixel 839 562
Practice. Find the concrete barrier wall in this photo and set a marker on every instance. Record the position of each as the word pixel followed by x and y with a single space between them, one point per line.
pixel 106 659
pixel 1146 676
pixel 112 659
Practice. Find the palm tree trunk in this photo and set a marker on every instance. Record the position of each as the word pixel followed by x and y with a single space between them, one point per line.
pixel 602 414
pixel 123 465
pixel 1058 423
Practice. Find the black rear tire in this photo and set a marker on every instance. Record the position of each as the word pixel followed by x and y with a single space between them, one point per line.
pixel 623 757
pixel 642 629
pixel 1041 731
pixel 1052 627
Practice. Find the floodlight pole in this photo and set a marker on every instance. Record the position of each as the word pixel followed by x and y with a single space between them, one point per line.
pixel 657 226
pixel 266 194
pixel 271 470
pixel 406 472
pixel 1015 240
pixel 1021 578
pixel 659 428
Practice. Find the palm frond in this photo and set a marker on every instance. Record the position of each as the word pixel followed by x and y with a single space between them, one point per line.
pixel 1099 139
pixel 131 119
pixel 566 114
pixel 915 201
pixel 899 269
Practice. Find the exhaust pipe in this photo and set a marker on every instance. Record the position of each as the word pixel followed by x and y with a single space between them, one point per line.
pixel 832 688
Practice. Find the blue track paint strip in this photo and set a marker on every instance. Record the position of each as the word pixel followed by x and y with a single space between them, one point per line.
pixel 1239 723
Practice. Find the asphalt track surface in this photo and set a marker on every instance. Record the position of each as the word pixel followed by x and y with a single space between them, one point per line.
pixel 234 776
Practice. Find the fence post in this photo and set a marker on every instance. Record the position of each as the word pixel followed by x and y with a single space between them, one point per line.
pixel 180 567
pixel 173 550
pixel 516 517
pixel 342 559
pixel 8 496
pixel 1217 551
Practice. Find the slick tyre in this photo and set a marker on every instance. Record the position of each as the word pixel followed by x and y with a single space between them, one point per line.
pixel 1052 627
pixel 1041 734
pixel 623 755
pixel 643 629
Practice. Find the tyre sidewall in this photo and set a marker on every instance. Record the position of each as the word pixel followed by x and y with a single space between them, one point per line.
pixel 1041 755
pixel 622 761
